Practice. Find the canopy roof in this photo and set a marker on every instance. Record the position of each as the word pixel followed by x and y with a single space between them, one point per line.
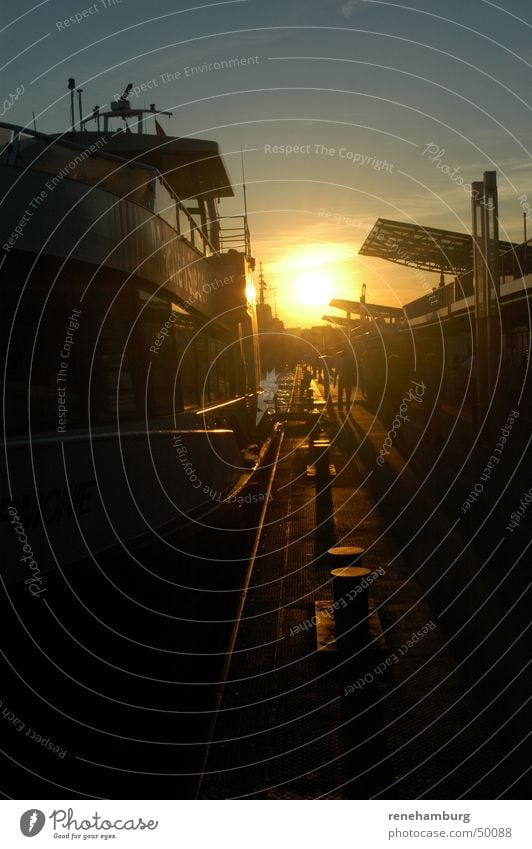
pixel 427 248
pixel 335 319
pixel 373 310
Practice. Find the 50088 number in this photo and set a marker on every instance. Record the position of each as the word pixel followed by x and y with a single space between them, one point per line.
pixel 493 832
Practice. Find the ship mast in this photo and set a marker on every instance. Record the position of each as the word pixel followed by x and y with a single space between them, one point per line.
pixel 262 285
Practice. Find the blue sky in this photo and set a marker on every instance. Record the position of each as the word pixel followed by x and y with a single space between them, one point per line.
pixel 372 81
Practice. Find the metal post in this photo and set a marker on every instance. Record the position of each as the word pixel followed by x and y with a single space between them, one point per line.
pixel 80 90
pixel 72 86
pixel 493 319
pixel 348 326
pixel 525 246
pixel 485 230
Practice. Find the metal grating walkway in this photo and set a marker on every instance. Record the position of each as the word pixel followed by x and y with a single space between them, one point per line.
pixel 278 725
pixel 288 726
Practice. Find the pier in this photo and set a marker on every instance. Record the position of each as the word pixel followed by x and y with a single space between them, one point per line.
pixel 258 677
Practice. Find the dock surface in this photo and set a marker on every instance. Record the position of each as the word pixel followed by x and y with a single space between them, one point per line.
pixel 400 719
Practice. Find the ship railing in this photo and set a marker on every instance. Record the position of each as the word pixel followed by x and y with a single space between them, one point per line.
pixel 235 237
pixel 173 210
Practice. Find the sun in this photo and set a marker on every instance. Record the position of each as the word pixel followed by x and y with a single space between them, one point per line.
pixel 313 288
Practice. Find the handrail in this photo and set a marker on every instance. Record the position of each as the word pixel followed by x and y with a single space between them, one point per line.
pixel 242 234
pixel 233 401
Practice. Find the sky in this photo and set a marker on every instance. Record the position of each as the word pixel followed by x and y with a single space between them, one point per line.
pixel 346 111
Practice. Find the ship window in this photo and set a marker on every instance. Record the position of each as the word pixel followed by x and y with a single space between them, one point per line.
pixel 183 223
pixel 177 358
pixel 186 360
pixel 203 367
pixel 165 205
pixel 162 390
pixel 213 365
pixel 86 166
pixel 222 370
pixel 189 230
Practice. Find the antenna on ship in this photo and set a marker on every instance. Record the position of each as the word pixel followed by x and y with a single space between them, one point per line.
pixel 262 284
pixel 247 239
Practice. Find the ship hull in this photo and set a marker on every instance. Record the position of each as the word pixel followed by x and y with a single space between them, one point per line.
pixel 66 499
pixel 129 389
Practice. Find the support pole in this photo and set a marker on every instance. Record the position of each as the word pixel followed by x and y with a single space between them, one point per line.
pixel 80 109
pixel 72 86
pixel 485 230
pixel 525 252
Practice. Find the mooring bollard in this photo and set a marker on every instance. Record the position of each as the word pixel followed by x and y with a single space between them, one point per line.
pixel 351 607
pixel 345 555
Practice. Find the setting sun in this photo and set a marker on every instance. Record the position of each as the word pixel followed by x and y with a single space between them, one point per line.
pixel 303 280
pixel 313 288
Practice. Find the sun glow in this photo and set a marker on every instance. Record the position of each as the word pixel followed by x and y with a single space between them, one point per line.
pixel 306 278
pixel 313 288
pixel 251 293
